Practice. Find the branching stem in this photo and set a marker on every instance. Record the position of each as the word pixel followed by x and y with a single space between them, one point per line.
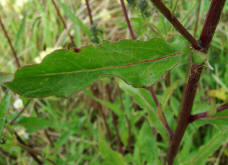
pixel 177 25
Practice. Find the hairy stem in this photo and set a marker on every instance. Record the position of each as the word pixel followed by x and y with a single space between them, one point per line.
pixel 211 23
pixel 185 111
pixel 177 25
pixel 10 43
pixel 127 19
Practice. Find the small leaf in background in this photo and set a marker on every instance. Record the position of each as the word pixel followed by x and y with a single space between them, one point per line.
pixel 219 94
pixel 63 72
pixel 201 155
pixel 146 149
pixel 4 107
pixel 20 32
pixel 111 106
pixel 111 157
pixel 33 124
pixel 76 21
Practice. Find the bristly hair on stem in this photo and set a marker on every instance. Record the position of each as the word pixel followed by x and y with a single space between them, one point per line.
pixel 185 111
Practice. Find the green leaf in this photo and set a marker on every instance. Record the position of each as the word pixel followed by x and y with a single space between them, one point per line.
pixel 146 149
pixel 5 77
pixel 201 156
pixel 33 124
pixel 144 99
pixel 111 106
pixel 75 19
pixel 20 31
pixel 4 107
pixel 63 72
pixel 111 157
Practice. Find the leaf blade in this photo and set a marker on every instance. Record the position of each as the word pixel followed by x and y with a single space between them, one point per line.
pixel 63 72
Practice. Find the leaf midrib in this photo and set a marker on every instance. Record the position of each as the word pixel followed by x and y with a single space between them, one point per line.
pixel 105 68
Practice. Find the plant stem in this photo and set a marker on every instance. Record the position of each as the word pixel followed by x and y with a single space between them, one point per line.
pixel 33 154
pixel 211 23
pixel 10 43
pixel 206 114
pixel 63 22
pixel 185 111
pixel 89 12
pixel 177 25
pixel 162 117
pixel 127 19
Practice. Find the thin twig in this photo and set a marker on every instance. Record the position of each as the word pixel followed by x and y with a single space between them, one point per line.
pixel 185 111
pixel 206 114
pixel 20 113
pixel 10 43
pixel 63 22
pixel 127 19
pixel 89 12
pixel 177 25
pixel 33 155
pixel 162 117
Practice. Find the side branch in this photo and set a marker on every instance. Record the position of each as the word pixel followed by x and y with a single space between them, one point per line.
pixel 206 114
pixel 174 21
pixel 161 114
pixel 211 23
pixel 185 111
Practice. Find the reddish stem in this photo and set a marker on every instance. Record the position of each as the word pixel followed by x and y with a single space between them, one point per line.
pixel 89 12
pixel 211 23
pixel 206 114
pixel 127 19
pixel 177 25
pixel 185 112
pixel 164 120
